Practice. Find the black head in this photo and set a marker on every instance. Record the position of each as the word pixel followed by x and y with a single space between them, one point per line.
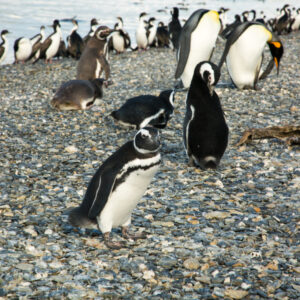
pixel 151 20
pixel 102 32
pixel 4 32
pixel 98 83
pixel 55 23
pixel 147 140
pixel 209 73
pixel 168 96
pixel 143 14
pixel 276 49
pixel 175 12
pixel 74 22
pixel 94 22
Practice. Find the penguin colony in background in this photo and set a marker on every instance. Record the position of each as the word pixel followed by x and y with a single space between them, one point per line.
pixel 122 179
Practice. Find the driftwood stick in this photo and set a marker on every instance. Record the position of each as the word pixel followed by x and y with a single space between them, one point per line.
pixel 288 133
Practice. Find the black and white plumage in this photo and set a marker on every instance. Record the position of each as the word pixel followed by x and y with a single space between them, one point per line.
pixel 162 35
pixel 22 49
pixel 36 42
pixel 205 132
pixel 244 53
pixel 145 110
pixel 197 42
pixel 50 46
pixel 151 32
pixel 119 40
pixel 93 26
pixel 78 94
pixel 175 28
pixel 4 45
pixel 75 42
pixel 141 32
pixel 118 185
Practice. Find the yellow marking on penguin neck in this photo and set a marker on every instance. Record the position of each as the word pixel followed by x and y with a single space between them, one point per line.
pixel 277 44
pixel 214 14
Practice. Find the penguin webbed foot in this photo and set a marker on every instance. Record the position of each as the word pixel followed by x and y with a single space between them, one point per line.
pixel 113 245
pixel 134 236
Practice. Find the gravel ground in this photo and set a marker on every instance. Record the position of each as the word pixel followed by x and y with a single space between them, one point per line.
pixel 231 233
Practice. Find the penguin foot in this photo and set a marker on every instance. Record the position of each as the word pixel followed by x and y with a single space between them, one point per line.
pixel 112 245
pixel 134 236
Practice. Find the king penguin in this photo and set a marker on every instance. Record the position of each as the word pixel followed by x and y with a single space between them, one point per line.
pixel 146 110
pixel 205 132
pixel 118 185
pixel 93 60
pixel 3 45
pixel 196 43
pixel 244 54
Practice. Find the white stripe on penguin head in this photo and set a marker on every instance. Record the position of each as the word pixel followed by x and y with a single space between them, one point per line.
pixel 207 67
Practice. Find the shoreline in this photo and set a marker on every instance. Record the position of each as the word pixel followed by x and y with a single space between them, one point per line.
pixel 229 233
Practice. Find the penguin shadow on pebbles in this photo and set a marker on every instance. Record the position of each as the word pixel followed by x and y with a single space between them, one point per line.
pixel 118 185
pixel 205 132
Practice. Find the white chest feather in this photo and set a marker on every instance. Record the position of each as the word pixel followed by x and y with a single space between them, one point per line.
pixel 118 42
pixel 98 69
pixel 24 49
pixel 127 194
pixel 202 43
pixel 141 37
pixel 5 46
pixel 245 56
pixel 53 48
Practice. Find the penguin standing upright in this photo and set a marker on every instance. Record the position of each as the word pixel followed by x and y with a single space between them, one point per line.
pixel 50 46
pixel 162 34
pixel 175 28
pixel 197 41
pixel 141 32
pixel 75 42
pixel 145 110
pixel 3 45
pixel 22 49
pixel 151 32
pixel 36 42
pixel 118 185
pixel 93 59
pixel 205 132
pixel 119 40
pixel 244 53
pixel 93 26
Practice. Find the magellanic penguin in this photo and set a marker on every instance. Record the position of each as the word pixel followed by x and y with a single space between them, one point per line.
pixel 22 49
pixel 175 28
pixel 75 42
pixel 50 46
pixel 244 54
pixel 4 45
pixel 118 185
pixel 78 94
pixel 141 32
pixel 205 132
pixel 145 110
pixel 93 59
pixel 196 43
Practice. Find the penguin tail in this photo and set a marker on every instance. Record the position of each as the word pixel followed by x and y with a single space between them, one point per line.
pixel 210 162
pixel 77 218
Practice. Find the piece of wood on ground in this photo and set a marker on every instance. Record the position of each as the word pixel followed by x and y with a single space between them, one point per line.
pixel 289 133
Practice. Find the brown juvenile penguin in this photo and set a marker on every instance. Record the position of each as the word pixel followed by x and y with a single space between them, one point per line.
pixel 93 60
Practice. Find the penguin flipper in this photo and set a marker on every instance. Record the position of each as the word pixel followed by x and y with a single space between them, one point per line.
pixel 105 186
pixel 268 70
pixel 182 53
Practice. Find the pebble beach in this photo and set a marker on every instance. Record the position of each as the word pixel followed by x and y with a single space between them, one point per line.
pixel 232 233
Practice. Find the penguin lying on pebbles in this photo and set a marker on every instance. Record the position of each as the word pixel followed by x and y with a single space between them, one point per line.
pixel 145 110
pixel 244 53
pixel 205 132
pixel 78 94
pixel 118 185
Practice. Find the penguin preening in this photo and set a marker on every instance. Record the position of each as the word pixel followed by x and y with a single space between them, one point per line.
pixel 205 132
pixel 78 94
pixel 196 43
pixel 141 32
pixel 75 42
pixel 175 28
pixel 146 110
pixel 118 185
pixel 93 60
pixel 4 45
pixel 244 54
